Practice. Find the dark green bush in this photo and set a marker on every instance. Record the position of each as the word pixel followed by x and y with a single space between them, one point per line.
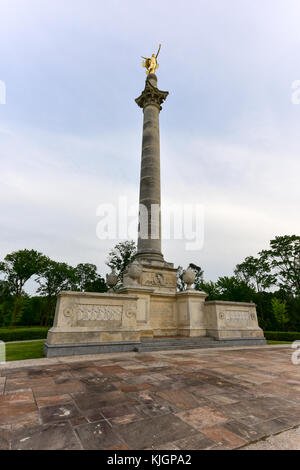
pixel 22 334
pixel 282 335
pixel 32 312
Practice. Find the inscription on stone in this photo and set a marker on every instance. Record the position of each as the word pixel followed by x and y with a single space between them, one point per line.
pixel 99 312
pixel 237 316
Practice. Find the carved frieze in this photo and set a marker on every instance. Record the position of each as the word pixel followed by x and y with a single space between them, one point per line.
pixel 238 316
pixel 158 279
pixel 233 315
pixel 90 312
pixel 130 309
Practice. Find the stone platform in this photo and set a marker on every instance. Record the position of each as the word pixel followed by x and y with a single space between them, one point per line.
pixel 146 345
pixel 228 398
pixel 148 308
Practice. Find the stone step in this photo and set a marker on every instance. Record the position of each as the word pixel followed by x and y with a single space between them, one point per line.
pixel 162 343
pixel 171 343
pixel 173 348
pixel 165 344
pixel 179 345
pixel 192 345
pixel 182 340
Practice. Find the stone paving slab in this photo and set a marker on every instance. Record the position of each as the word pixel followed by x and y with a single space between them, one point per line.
pixel 227 398
pixel 287 440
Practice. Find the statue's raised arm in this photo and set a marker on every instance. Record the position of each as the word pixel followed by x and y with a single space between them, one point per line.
pixel 158 51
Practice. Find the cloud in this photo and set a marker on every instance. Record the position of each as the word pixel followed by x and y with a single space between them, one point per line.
pixel 70 132
pixel 49 195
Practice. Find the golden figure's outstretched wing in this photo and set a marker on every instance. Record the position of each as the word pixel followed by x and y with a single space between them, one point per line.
pixel 147 62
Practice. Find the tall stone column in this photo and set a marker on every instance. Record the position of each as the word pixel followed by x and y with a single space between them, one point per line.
pixel 149 238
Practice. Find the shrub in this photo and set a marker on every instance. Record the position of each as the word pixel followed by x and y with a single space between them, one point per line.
pixel 282 335
pixel 22 334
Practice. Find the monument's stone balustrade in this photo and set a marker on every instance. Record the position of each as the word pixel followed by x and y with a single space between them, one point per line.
pixel 92 322
pixel 83 317
pixel 232 320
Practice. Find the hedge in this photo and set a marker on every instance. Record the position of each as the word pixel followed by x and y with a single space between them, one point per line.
pixel 22 334
pixel 282 335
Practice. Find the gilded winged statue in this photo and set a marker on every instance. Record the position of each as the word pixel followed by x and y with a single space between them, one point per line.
pixel 150 63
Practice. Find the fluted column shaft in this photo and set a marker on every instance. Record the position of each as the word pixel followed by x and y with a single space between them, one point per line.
pixel 149 239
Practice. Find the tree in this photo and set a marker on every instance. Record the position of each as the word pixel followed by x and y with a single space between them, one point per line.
pixel 53 277
pixel 85 275
pixel 284 256
pixel 7 306
pixel 234 289
pixel 256 272
pixel 34 309
pixel 99 285
pixel 5 288
pixel 18 267
pixel 120 257
pixel 280 312
pixel 211 288
pixel 293 305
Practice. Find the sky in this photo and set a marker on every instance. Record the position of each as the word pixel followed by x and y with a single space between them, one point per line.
pixel 70 131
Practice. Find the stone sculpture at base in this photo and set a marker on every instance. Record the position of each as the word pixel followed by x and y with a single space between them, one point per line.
pixel 148 306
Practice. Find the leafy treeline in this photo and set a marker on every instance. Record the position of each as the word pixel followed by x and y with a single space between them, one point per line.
pixel 271 280
pixel 17 307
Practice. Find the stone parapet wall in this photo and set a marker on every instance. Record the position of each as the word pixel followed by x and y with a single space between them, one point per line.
pixel 123 319
pixel 92 317
pixel 232 320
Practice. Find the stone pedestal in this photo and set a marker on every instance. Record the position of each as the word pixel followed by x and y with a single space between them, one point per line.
pixel 191 315
pixel 156 287
pixel 232 320
pixel 143 295
pixel 89 319
pixel 159 275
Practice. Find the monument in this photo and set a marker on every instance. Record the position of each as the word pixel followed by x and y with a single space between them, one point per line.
pixel 148 312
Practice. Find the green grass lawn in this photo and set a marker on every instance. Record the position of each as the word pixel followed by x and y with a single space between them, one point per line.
pixel 19 351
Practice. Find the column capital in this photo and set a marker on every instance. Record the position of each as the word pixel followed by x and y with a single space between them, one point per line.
pixel 151 94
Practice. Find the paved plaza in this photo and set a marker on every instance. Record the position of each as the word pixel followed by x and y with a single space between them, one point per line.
pixel 227 398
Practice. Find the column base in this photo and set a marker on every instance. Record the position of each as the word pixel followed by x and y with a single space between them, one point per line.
pixel 149 256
